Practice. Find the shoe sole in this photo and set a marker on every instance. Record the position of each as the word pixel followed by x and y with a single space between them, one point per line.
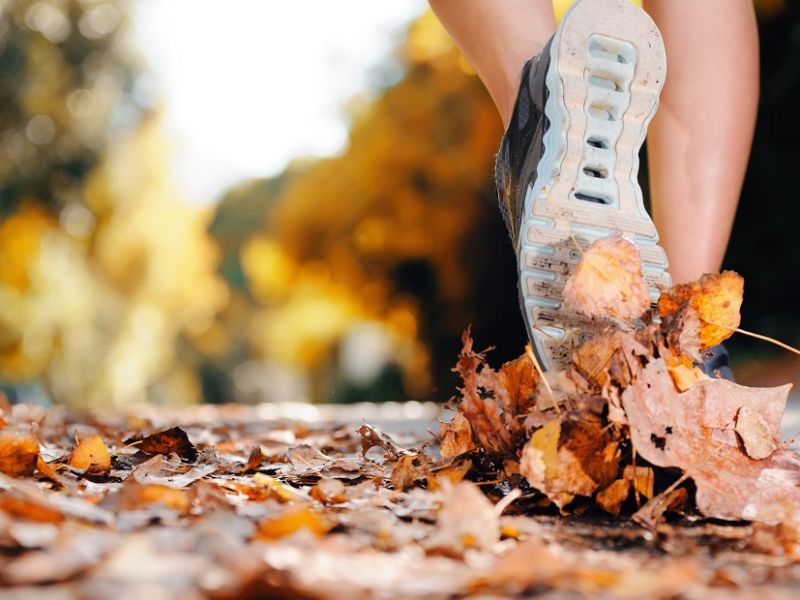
pixel 607 68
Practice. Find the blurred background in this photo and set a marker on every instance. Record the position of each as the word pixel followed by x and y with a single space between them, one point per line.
pixel 269 201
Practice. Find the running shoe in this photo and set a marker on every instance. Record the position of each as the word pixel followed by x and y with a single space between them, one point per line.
pixel 568 163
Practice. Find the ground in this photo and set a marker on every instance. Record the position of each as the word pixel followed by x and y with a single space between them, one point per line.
pixel 279 501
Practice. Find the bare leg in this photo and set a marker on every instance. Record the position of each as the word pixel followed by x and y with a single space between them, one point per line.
pixel 498 37
pixel 699 140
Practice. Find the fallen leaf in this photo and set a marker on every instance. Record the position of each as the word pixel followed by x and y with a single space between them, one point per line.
pixel 170 441
pixel 610 499
pixel 643 479
pixel 91 455
pixel 269 487
pixel 134 496
pixel 254 461
pixel 18 453
pixel 46 470
pixel 608 281
pixel 490 430
pixel 568 458
pixel 452 473
pixel 520 380
pixel 329 491
pixel 466 519
pixel 169 471
pixel 29 508
pixel 372 436
pixel 757 436
pixel 291 521
pixel 456 436
pixel 653 511
pixel 410 469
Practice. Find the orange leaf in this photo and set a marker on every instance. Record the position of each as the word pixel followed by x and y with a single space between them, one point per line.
pixel 291 521
pixel 713 301
pixel 134 496
pixel 25 508
pixel 18 454
pixel 91 455
pixel 46 469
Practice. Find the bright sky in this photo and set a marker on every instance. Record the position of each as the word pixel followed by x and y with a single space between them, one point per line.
pixel 250 84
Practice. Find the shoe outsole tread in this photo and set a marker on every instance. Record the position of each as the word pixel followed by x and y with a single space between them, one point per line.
pixel 607 68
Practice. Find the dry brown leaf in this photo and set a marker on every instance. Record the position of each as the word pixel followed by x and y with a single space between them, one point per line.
pixel 329 491
pixel 255 459
pixel 372 436
pixel 291 521
pixel 467 519
pixel 483 411
pixel 611 498
pixel 18 453
pixel 757 436
pixel 410 469
pixel 170 441
pixel 650 514
pixel 520 380
pixel 691 430
pixel 456 436
pixel 170 471
pixel 643 479
pixel 608 281
pixel 91 455
pixel 452 474
pixel 568 458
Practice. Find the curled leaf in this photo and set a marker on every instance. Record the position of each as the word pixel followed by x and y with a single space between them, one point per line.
pixel 170 441
pixel 705 312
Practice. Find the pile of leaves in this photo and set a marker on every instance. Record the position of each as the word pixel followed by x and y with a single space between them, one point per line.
pixel 634 425
pixel 631 474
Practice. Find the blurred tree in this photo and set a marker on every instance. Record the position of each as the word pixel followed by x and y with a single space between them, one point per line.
pixel 66 80
pixel 401 229
pixel 102 269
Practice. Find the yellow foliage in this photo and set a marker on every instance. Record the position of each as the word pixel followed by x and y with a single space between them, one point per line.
pixel 269 270
pixel 20 240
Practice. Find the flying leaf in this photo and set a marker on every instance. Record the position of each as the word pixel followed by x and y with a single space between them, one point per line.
pixel 608 281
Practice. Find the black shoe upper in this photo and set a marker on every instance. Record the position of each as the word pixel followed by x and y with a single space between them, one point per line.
pixel 522 147
pixel 717 363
